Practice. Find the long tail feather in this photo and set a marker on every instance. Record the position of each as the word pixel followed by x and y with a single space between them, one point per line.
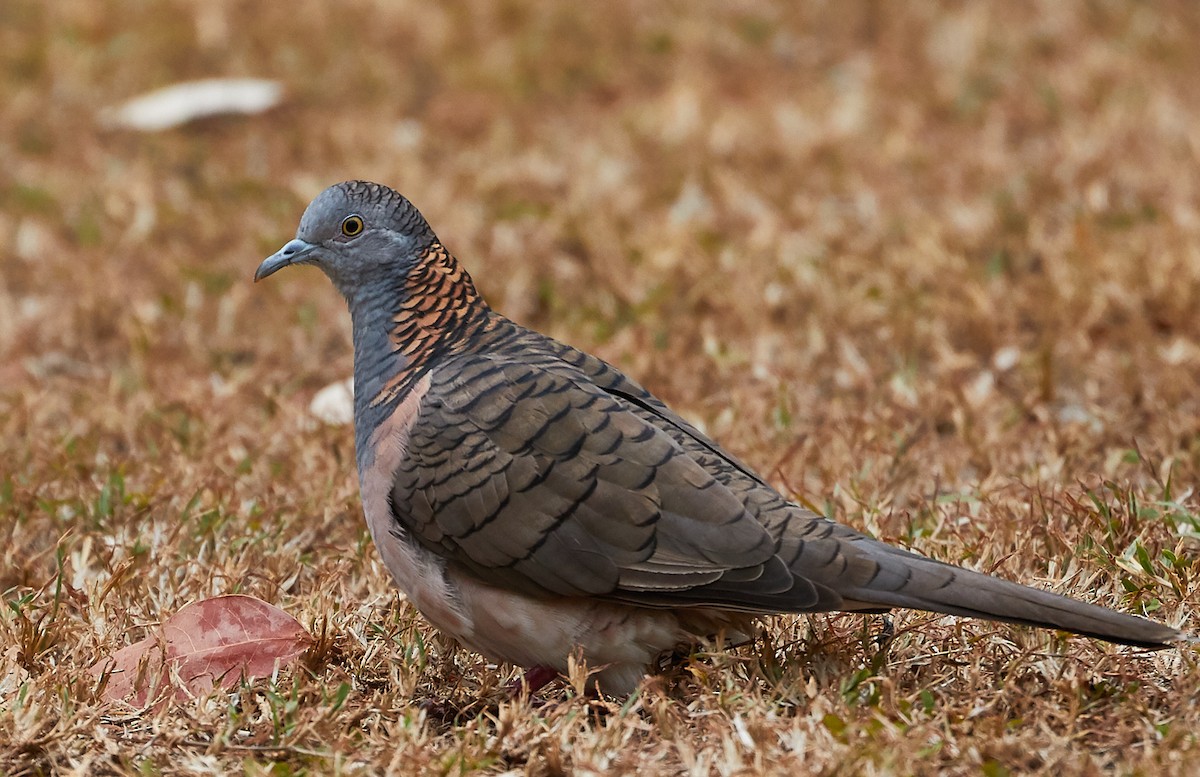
pixel 907 580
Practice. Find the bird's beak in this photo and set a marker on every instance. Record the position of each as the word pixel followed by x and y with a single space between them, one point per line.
pixel 292 253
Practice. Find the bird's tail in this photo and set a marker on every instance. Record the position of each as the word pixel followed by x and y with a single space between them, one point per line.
pixel 903 579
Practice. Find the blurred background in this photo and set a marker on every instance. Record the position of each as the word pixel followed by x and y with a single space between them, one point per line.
pixel 933 267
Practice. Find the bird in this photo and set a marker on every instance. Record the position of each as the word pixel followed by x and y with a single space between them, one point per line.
pixel 535 503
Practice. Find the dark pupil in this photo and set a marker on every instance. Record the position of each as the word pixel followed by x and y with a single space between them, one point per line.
pixel 353 226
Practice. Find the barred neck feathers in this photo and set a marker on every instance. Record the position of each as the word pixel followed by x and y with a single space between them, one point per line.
pixel 402 327
pixel 439 306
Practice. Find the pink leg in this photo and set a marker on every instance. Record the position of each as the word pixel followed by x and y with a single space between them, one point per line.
pixel 535 678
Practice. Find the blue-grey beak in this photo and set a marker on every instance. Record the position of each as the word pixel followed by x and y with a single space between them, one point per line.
pixel 292 253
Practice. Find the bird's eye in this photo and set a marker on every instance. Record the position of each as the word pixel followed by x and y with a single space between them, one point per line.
pixel 352 226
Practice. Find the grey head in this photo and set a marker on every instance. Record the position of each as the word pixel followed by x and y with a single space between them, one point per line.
pixel 359 233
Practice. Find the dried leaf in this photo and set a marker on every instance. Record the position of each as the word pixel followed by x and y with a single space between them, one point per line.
pixel 181 103
pixel 218 640
pixel 334 404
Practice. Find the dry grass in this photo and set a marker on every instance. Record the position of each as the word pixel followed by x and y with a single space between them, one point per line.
pixel 934 268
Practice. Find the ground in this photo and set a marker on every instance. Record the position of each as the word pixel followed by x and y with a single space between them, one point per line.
pixel 933 268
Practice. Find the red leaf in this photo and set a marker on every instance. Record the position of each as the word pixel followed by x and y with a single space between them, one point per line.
pixel 218 640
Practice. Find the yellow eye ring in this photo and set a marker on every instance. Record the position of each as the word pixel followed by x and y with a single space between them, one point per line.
pixel 352 226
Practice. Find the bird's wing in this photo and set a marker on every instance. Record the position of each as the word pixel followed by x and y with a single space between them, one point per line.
pixel 534 478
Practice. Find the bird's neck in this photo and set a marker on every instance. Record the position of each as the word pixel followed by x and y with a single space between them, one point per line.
pixel 403 326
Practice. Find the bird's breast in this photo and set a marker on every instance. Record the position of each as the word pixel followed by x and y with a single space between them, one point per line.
pixel 417 571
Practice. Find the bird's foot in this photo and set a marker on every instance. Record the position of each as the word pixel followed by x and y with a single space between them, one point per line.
pixel 887 630
pixel 534 679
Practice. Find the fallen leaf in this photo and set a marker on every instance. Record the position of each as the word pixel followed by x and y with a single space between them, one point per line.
pixel 334 404
pixel 180 103
pixel 213 641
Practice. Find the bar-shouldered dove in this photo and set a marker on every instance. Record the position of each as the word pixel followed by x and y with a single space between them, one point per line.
pixel 531 500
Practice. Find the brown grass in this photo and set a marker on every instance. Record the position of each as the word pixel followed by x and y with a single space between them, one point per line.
pixel 935 268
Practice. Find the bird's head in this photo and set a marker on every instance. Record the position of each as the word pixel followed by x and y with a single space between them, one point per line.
pixel 358 233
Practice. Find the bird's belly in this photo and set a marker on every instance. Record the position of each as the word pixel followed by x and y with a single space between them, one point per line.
pixel 620 641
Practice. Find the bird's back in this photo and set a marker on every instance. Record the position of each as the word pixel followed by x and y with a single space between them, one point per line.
pixel 741 547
